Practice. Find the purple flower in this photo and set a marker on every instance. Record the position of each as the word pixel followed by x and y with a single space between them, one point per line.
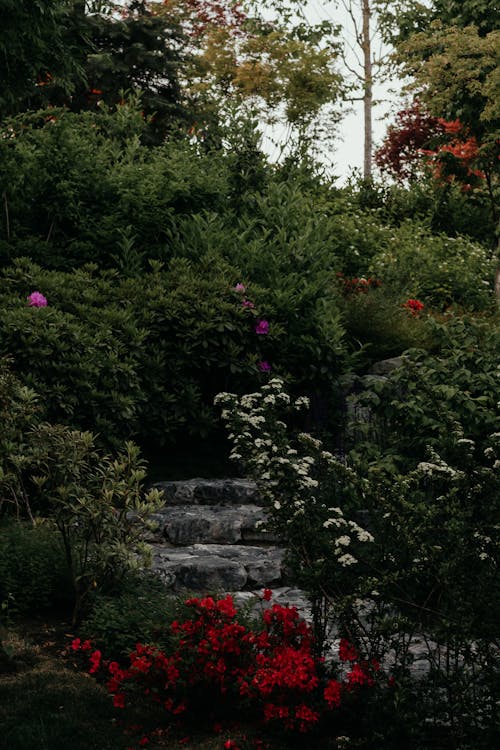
pixel 36 299
pixel 264 366
pixel 247 303
pixel 240 288
pixel 262 327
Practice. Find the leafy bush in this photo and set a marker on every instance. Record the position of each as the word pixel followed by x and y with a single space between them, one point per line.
pixel 81 353
pixel 429 571
pixel 33 570
pixel 137 612
pixel 95 500
pixel 440 208
pixel 19 411
pixel 379 325
pixel 82 188
pixel 424 400
pixel 144 356
pixel 439 270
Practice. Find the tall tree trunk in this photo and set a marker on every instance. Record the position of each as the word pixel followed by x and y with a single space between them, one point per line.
pixel 368 91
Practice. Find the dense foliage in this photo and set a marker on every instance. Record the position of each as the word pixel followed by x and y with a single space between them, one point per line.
pixel 151 257
pixel 427 568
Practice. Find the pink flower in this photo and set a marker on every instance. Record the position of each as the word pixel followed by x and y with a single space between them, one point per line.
pixel 36 299
pixel 247 303
pixel 240 288
pixel 262 327
pixel 264 366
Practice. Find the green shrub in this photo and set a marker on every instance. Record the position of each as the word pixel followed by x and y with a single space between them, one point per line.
pixel 19 411
pixel 75 182
pixel 95 500
pixel 139 611
pixel 425 570
pixel 379 323
pixel 424 400
pixel 33 571
pixel 81 353
pixel 439 270
pixel 144 356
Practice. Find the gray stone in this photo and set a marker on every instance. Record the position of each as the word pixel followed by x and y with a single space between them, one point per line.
pixel 209 492
pixel 188 524
pixel 200 573
pixel 210 567
pixel 386 366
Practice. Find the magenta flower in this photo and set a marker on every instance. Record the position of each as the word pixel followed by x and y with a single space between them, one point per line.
pixel 36 299
pixel 262 327
pixel 264 366
pixel 247 303
pixel 240 288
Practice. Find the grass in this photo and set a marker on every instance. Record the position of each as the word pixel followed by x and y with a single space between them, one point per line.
pixel 45 705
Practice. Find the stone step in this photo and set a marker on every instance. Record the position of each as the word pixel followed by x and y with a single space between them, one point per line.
pixel 219 567
pixel 217 524
pixel 209 492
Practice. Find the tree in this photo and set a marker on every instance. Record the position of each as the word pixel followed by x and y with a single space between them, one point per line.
pixel 35 51
pixel 400 19
pixel 455 73
pixel 239 55
pixel 361 13
pixel 413 131
pixel 363 63
pixel 136 51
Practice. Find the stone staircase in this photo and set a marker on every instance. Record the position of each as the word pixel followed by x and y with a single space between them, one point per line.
pixel 208 538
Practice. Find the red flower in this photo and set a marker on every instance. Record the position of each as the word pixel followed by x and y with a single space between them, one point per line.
pixel 414 306
pixel 119 700
pixel 358 676
pixel 267 595
pixel 332 693
pixel 347 652
pixel 95 661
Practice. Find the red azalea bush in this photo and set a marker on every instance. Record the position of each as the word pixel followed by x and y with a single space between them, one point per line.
pixel 271 672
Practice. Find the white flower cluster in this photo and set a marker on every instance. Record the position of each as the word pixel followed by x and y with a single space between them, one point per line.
pixel 287 476
pixel 340 543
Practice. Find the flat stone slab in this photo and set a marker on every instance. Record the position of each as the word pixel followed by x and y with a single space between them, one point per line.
pixel 218 567
pixel 209 492
pixel 190 524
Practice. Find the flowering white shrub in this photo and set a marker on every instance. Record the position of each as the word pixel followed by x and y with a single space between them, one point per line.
pixel 308 492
